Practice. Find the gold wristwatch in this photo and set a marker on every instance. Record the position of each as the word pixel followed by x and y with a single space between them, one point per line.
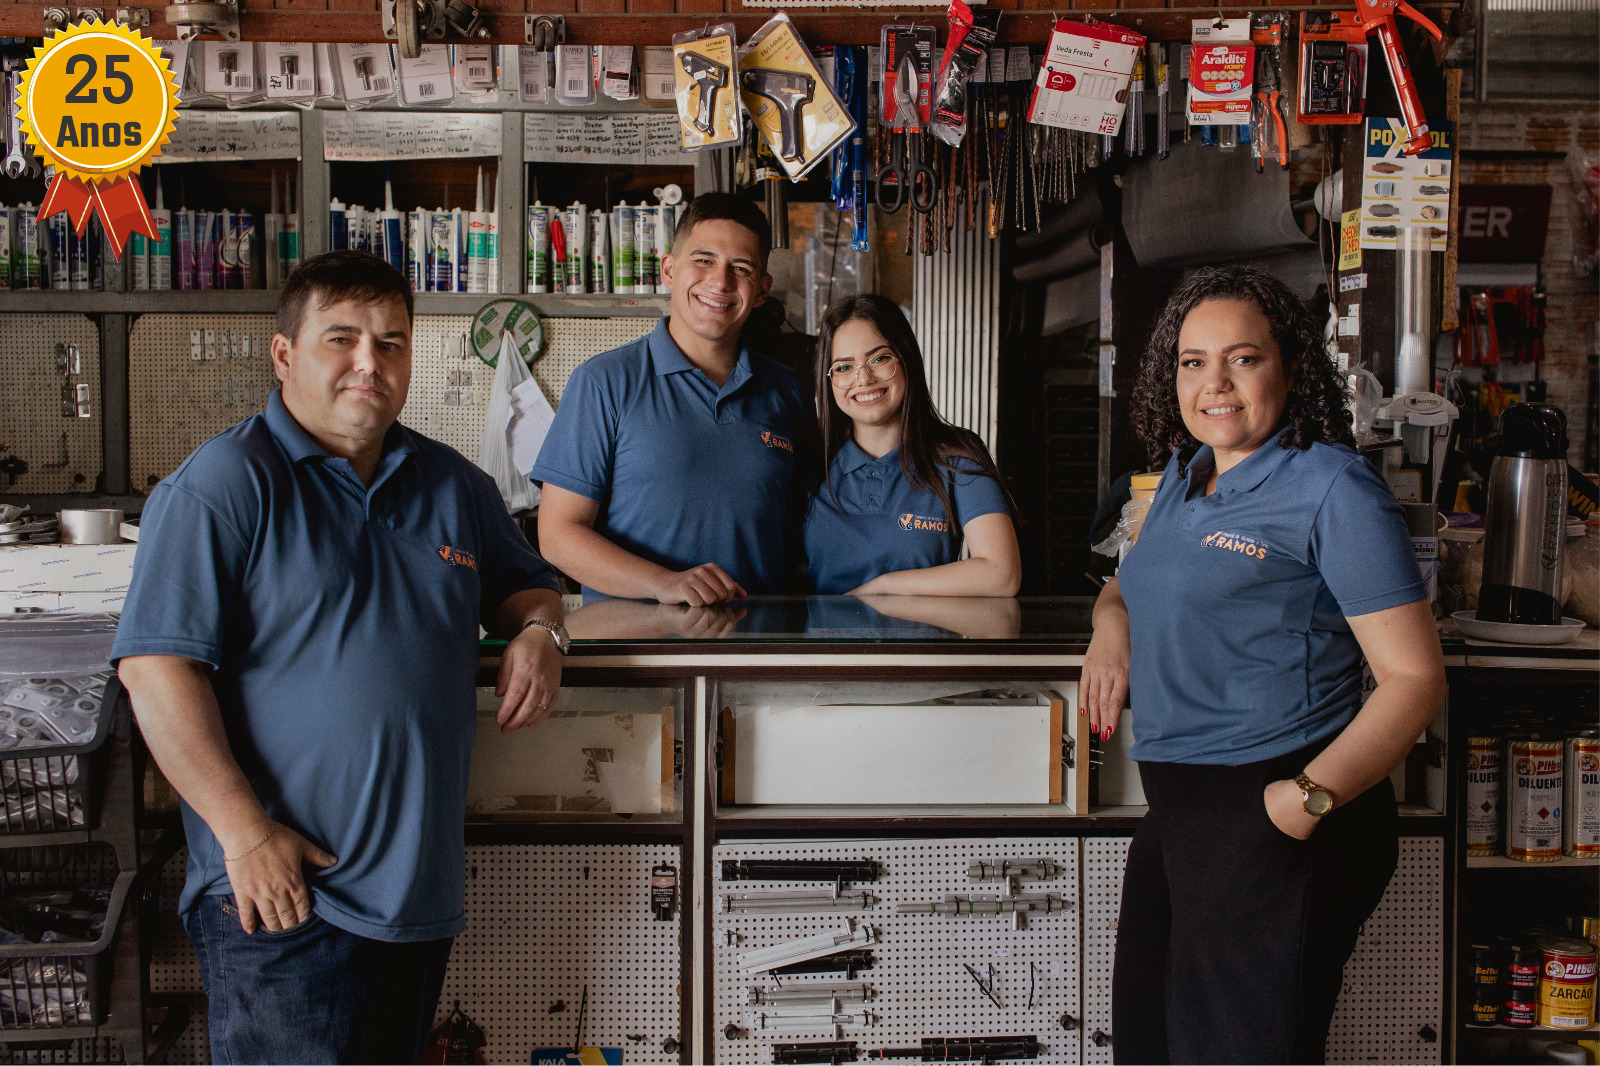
pixel 1316 799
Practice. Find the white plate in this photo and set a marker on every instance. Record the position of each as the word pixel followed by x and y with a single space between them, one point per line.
pixel 1512 633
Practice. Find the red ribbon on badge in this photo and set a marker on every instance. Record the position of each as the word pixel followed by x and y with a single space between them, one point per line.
pixel 120 205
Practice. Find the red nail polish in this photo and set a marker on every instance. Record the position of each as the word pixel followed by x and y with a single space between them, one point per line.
pixel 1106 733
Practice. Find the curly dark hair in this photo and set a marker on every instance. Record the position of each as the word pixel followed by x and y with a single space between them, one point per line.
pixel 1317 393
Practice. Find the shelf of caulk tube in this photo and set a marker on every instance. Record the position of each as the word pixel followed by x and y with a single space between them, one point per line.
pixel 263 301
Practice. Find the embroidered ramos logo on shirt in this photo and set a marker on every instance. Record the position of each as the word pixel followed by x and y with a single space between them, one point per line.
pixel 1236 542
pixel 772 440
pixel 915 522
pixel 457 557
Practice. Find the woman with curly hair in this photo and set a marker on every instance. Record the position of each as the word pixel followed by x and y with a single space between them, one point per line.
pixel 1272 559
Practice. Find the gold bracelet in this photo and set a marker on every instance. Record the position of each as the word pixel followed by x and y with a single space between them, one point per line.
pixel 253 848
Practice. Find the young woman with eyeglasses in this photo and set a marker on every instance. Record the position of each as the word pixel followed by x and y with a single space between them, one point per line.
pixel 902 488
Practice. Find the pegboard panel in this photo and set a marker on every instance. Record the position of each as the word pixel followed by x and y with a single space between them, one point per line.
pixel 1393 983
pixel 920 984
pixel 63 453
pixel 542 922
pixel 1393 995
pixel 177 403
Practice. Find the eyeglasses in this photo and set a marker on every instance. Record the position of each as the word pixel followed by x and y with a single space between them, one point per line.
pixel 881 367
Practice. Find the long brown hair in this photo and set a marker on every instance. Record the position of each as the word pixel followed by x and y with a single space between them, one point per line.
pixel 929 445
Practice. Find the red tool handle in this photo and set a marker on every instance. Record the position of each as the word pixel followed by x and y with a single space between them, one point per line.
pixel 1377 16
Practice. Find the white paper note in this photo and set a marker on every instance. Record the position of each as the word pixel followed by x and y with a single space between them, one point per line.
pixel 531 415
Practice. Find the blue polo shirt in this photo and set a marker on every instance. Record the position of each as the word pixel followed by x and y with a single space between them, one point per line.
pixel 342 624
pixel 874 522
pixel 1238 602
pixel 685 472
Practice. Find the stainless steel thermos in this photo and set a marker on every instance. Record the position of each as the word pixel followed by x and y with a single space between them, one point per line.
pixel 1525 535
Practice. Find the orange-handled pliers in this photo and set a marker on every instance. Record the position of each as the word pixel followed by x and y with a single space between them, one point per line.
pixel 1268 102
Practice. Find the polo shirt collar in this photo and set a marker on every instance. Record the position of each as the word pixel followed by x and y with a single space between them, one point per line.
pixel 1245 475
pixel 293 439
pixel 667 358
pixel 851 458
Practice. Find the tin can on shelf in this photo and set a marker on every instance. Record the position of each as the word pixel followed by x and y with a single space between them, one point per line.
pixel 1588 929
pixel 1485 1009
pixel 1487 970
pixel 1533 798
pixel 1524 966
pixel 1581 811
pixel 1521 1008
pixel 1566 988
pixel 1484 789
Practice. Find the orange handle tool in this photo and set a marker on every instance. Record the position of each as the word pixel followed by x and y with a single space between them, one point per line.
pixel 1378 16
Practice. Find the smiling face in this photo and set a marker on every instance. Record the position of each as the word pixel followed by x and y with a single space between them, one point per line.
pixel 866 378
pixel 717 277
pixel 345 377
pixel 1232 384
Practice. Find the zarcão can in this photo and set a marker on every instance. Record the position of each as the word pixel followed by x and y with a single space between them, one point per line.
pixel 1581 816
pixel 1533 800
pixel 1566 991
pixel 1484 805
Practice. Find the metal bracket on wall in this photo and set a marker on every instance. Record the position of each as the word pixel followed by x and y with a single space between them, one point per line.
pixel 544 32
pixel 220 18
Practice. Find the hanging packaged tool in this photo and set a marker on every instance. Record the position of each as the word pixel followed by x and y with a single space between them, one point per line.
pixel 1269 134
pixel 1133 125
pixel 457 1039
pixel 1221 72
pixel 849 188
pixel 1083 83
pixel 838 870
pixel 906 176
pixel 708 104
pixel 793 107
pixel 896 43
pixel 1333 69
pixel 1163 73
pixel 663 891
pixel 1378 16
pixel 966 49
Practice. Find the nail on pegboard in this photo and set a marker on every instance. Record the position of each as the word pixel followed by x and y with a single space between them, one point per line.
pixel 63 453
pixel 176 403
pixel 1393 983
pixel 921 987
pixel 541 922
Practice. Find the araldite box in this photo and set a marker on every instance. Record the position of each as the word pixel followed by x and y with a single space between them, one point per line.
pixel 1083 84
pixel 66 567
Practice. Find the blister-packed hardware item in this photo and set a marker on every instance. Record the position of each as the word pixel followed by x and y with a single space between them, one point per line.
pixel 895 43
pixel 793 107
pixel 971 34
pixel 1083 82
pixel 703 68
pixel 363 74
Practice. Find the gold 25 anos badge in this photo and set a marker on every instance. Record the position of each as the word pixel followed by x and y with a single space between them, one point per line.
pixel 98 102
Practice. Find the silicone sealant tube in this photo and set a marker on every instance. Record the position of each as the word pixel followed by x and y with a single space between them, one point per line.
pixel 5 247
pixel 183 247
pixel 226 256
pixel 160 249
pixel 139 259
pixel 417 249
pixel 575 222
pixel 478 243
pixel 666 223
pixel 600 251
pixel 460 222
pixel 205 249
pixel 356 234
pixel 391 245
pixel 624 257
pixel 442 242
pixel 80 272
pixel 338 234
pixel 645 222
pixel 60 253
pixel 27 271
pixel 289 238
pixel 244 243
pixel 494 238
pixel 538 247
pixel 272 240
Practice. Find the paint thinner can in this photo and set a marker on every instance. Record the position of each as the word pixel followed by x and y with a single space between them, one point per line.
pixel 1533 799
pixel 1566 990
pixel 1484 788
pixel 1581 809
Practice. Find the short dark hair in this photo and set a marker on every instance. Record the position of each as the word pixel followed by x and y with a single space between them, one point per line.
pixel 725 206
pixel 332 277
pixel 1316 406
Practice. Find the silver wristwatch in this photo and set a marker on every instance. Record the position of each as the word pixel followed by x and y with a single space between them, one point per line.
pixel 557 631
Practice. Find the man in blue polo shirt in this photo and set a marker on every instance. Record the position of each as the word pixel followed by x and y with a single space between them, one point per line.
pixel 300 642
pixel 677 464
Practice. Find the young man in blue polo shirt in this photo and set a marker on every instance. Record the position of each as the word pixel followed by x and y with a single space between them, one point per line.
pixel 300 642
pixel 677 464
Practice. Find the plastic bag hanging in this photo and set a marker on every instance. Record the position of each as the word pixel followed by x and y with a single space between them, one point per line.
pixel 494 454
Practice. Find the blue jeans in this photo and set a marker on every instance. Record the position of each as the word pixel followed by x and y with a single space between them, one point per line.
pixel 314 993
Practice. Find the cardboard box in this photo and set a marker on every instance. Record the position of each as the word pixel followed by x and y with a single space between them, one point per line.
pixel 66 567
pixel 1083 84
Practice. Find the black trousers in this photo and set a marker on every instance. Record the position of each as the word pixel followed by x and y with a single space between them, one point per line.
pixel 1233 936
